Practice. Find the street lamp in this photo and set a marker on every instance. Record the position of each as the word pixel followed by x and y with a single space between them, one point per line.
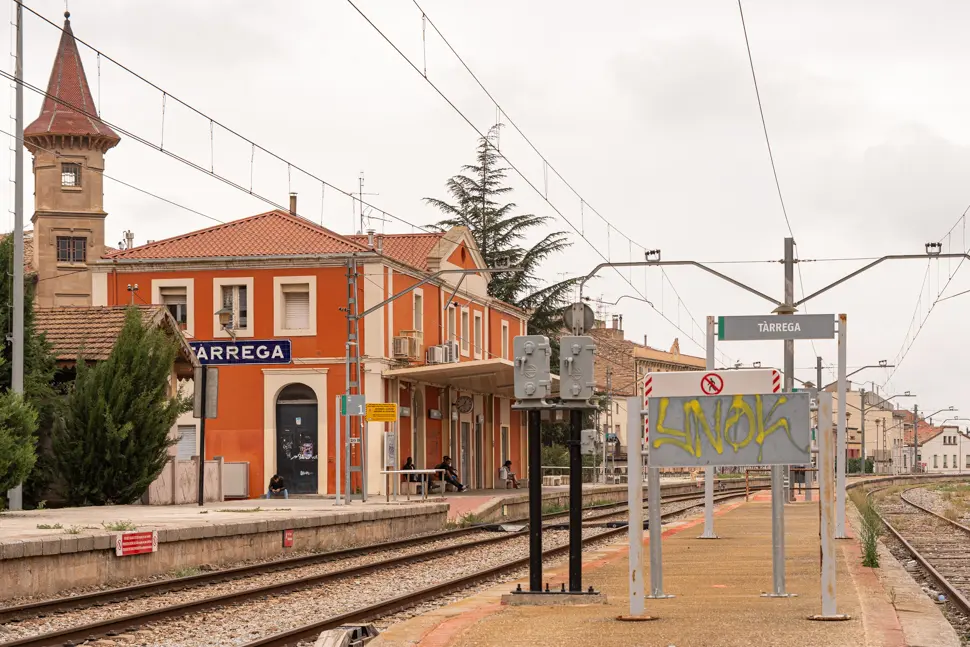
pixel 882 364
pixel 225 315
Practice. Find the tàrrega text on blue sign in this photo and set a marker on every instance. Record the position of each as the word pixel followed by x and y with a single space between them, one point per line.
pixel 251 351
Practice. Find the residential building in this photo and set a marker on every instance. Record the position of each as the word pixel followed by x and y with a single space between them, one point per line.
pixel 946 451
pixel 883 428
pixel 621 365
pixel 266 297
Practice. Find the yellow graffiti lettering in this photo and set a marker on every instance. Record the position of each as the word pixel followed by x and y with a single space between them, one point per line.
pixel 697 423
pixel 665 435
pixel 739 409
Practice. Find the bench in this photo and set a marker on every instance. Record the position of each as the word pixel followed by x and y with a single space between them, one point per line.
pixel 549 481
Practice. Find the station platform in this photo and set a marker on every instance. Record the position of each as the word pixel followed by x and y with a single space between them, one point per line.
pixel 44 552
pixel 718 586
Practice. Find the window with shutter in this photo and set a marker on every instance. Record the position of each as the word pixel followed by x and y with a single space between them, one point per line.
pixel 296 307
pixel 174 298
pixel 186 445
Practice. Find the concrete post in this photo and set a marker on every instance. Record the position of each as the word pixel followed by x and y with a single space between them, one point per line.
pixel 635 503
pixel 840 451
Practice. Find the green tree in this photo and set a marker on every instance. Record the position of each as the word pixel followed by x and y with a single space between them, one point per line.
pixel 39 371
pixel 114 437
pixel 18 427
pixel 477 201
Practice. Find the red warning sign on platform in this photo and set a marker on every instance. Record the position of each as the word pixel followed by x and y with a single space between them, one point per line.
pixel 136 543
pixel 288 538
pixel 712 384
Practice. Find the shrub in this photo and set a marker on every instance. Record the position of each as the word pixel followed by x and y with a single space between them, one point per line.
pixel 871 531
pixel 114 437
pixel 18 428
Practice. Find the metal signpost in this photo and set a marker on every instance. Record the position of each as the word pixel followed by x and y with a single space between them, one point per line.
pixel 730 430
pixel 533 385
pixel 712 382
pixel 350 406
pixel 205 406
pixel 826 458
pixel 635 500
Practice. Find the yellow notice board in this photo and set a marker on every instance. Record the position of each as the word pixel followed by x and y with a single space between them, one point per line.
pixel 381 412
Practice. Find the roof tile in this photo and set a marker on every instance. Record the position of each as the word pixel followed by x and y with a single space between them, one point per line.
pixel 69 84
pixel 91 331
pixel 266 234
pixel 410 249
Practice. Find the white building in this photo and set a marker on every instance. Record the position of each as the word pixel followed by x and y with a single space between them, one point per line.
pixel 945 452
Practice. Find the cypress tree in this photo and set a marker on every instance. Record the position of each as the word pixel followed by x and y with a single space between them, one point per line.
pixel 18 426
pixel 113 439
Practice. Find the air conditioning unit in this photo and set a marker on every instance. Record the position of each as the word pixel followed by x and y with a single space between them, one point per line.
pixel 451 352
pixel 405 347
pixel 434 355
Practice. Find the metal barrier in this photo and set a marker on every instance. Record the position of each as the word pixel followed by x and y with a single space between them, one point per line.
pixel 424 482
pixel 747 484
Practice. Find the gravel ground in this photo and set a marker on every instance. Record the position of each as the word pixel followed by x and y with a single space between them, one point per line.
pixel 238 624
pixel 888 504
pixel 302 606
pixel 33 626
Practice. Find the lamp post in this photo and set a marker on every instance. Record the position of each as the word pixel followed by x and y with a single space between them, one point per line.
pixel 862 425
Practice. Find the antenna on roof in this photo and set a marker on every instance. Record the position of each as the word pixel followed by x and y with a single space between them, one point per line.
pixel 360 198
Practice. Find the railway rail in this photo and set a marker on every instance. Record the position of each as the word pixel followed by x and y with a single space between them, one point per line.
pixel 130 622
pixel 937 544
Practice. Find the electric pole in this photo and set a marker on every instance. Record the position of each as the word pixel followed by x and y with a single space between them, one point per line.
pixel 15 497
pixel 915 436
pixel 862 427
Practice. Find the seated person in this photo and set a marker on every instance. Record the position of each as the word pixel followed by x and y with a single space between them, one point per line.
pixel 506 474
pixel 450 475
pixel 276 486
pixel 409 465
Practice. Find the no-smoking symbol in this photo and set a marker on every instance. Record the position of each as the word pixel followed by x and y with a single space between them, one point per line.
pixel 712 384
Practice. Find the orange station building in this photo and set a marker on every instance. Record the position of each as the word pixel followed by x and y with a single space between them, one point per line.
pixel 442 351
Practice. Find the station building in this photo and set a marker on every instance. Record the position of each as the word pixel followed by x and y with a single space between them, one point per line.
pixel 266 296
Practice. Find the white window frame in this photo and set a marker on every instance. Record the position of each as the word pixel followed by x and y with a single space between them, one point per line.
pixel 418 322
pixel 217 285
pixel 451 316
pixel 464 336
pixel 279 310
pixel 478 334
pixel 189 285
pixel 505 340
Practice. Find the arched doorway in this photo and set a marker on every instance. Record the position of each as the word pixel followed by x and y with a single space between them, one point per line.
pixel 417 426
pixel 296 438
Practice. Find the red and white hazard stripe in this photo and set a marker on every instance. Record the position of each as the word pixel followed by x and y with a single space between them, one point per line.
pixel 647 390
pixel 775 381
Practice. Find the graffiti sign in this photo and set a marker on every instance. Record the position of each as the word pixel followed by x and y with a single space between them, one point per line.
pixel 750 429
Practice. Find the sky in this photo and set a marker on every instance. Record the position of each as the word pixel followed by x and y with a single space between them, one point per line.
pixel 647 110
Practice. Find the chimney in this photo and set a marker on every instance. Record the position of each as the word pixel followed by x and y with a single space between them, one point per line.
pixel 129 239
pixel 645 341
pixel 292 204
pixel 370 238
pixel 380 244
pixel 621 322
pixel 613 323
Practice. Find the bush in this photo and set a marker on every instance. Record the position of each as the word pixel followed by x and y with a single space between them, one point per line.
pixel 18 428
pixel 871 531
pixel 114 437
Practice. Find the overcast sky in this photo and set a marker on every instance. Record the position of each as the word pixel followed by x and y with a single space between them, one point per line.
pixel 647 109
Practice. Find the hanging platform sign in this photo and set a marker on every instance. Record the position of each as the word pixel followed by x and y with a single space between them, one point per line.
pixel 239 351
pixel 749 429
pixel 768 327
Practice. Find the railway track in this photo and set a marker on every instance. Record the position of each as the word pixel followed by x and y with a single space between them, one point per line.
pixel 130 622
pixel 937 544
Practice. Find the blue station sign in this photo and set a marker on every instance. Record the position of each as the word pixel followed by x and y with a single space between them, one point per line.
pixel 242 351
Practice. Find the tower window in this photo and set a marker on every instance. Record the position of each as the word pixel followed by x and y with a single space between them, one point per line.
pixel 71 249
pixel 70 174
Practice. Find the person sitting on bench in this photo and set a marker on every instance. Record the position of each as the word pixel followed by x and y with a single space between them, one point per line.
pixel 276 485
pixel 506 474
pixel 450 475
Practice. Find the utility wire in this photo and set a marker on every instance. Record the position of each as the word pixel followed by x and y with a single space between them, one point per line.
pixel 542 194
pixel 764 125
pixel 213 123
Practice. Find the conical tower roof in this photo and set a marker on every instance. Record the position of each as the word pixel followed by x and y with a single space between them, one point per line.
pixel 69 109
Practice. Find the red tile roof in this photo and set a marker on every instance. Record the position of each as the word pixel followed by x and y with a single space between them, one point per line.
pixel 926 430
pixel 89 331
pixel 267 234
pixel 69 83
pixel 410 249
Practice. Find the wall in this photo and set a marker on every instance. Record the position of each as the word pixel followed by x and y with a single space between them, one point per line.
pixel 178 483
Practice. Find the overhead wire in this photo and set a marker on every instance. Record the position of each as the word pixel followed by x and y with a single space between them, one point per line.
pixel 542 194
